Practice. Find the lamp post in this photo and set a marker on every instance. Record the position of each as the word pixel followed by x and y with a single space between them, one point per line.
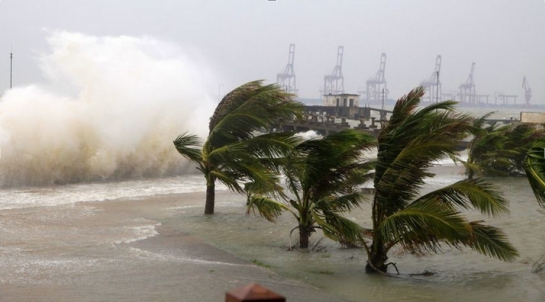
pixel 383 113
pixel 437 90
pixel 382 98
pixel 10 70
pixel 384 91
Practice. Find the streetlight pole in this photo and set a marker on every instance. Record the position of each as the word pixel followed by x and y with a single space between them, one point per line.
pixel 383 98
pixel 10 70
pixel 219 92
pixel 437 91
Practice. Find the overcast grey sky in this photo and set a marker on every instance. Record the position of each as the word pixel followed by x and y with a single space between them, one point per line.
pixel 243 40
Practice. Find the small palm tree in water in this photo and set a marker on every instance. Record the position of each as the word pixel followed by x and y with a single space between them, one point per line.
pixel 322 176
pixel 409 143
pixel 235 152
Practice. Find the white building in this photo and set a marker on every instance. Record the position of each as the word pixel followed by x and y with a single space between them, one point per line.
pixel 342 100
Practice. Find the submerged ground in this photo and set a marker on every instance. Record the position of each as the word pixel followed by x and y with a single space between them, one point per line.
pixel 162 248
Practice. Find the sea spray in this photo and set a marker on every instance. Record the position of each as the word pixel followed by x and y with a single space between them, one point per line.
pixel 109 109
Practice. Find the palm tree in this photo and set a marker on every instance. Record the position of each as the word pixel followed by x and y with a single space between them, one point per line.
pixel 235 152
pixel 322 176
pixel 483 147
pixel 520 139
pixel 499 151
pixel 534 166
pixel 408 145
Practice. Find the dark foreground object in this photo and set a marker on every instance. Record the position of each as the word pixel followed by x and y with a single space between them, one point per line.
pixel 253 292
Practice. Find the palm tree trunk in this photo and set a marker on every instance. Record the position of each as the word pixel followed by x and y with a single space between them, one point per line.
pixel 377 259
pixel 210 198
pixel 470 174
pixel 304 235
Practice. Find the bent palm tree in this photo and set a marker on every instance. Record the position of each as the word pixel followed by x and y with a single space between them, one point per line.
pixel 234 152
pixel 534 166
pixel 409 144
pixel 322 176
pixel 483 147
pixel 499 151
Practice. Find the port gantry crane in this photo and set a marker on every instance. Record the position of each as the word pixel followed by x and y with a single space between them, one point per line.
pixel 376 87
pixel 286 80
pixel 527 90
pixel 432 84
pixel 467 89
pixel 334 82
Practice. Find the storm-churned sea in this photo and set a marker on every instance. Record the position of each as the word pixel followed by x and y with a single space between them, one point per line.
pixel 138 240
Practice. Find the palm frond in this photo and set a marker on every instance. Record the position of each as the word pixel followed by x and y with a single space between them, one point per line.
pixel 471 193
pixel 480 121
pixel 188 146
pixel 249 108
pixel 270 189
pixel 267 208
pixel 534 166
pixel 341 229
pixel 343 203
pixel 333 164
pixel 229 178
pixel 271 149
pixel 417 141
pixel 403 108
pixel 423 224
pixel 490 241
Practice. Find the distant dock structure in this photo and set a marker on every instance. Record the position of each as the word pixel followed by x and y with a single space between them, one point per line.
pixel 334 82
pixel 375 92
pixel 375 87
pixel 341 100
pixel 432 84
pixel 286 79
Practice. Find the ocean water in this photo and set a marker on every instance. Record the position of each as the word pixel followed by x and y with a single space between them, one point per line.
pixel 95 241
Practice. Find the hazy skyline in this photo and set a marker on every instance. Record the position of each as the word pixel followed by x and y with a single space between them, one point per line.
pixel 243 40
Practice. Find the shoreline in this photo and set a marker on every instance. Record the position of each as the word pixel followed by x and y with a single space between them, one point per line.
pixel 170 264
pixel 224 270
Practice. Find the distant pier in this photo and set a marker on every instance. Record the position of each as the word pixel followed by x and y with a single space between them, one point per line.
pixel 330 119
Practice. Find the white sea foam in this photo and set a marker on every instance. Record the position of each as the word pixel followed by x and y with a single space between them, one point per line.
pixel 17 198
pixel 140 233
pixel 179 258
pixel 110 108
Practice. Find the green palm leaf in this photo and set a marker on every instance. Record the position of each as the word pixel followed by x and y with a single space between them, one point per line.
pixel 341 229
pixel 490 241
pixel 188 146
pixel 471 193
pixel 534 166
pixel 423 224
pixel 250 108
pixel 410 143
pixel 267 208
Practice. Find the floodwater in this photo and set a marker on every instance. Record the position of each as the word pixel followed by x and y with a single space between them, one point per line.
pixel 148 240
